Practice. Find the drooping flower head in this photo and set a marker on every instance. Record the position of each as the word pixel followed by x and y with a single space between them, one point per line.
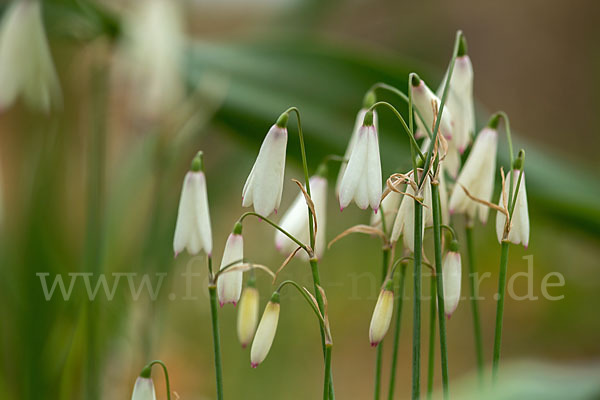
pixel 193 231
pixel 362 179
pixel 382 315
pixel 265 333
pixel 229 284
pixel 451 271
pixel 264 185
pixel 427 102
pixel 519 224
pixel 477 175
pixel 295 220
pixel 248 313
pixel 26 66
pixel 144 387
pixel 368 101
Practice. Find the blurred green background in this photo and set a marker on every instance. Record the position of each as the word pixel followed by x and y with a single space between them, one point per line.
pixel 95 187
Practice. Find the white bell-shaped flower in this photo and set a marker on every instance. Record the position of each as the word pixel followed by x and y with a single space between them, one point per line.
pixel 247 314
pixel 295 220
pixel 26 66
pixel 382 315
pixel 519 230
pixel 423 100
pixel 152 58
pixel 265 333
pixel 143 389
pixel 193 231
pixel 264 185
pixel 477 176
pixel 451 272
pixel 360 117
pixel 405 219
pixel 362 179
pixel 229 284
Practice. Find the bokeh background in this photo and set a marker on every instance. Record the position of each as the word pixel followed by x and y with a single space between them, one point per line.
pixel 94 187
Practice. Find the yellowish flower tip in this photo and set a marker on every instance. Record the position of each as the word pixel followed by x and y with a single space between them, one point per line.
pixel 453 246
pixel 282 120
pixel 462 46
pixel 146 372
pixel 494 121
pixel 198 162
pixel 415 80
pixel 518 163
pixel 368 121
pixel 370 99
pixel 237 228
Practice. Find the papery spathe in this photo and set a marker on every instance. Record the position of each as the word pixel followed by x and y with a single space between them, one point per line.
pixel 519 230
pixel 295 220
pixel 26 66
pixel 264 185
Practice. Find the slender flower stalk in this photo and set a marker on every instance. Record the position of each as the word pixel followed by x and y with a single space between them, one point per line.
pixel 379 343
pixel 499 310
pixel 432 315
pixel 144 386
pixel 474 303
pixel 418 243
pixel 214 314
pixel 399 303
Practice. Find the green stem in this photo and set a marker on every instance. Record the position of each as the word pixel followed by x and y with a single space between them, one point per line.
pixel 280 229
pixel 399 300
pixel 212 291
pixel 416 360
pixel 474 303
pixel 327 381
pixel 311 231
pixel 432 315
pixel 500 310
pixel 379 359
pixel 164 367
pixel 437 241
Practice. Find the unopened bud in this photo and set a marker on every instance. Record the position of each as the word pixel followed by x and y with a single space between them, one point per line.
pixel 265 332
pixel 247 315
pixel 382 316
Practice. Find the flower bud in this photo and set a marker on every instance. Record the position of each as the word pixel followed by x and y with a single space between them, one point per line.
pixel 144 387
pixel 229 284
pixel 264 185
pixel 295 220
pixel 193 231
pixel 477 176
pixel 265 332
pixel 247 315
pixel 362 178
pixel 519 230
pixel 451 271
pixel 26 67
pixel 382 316
pixel 423 99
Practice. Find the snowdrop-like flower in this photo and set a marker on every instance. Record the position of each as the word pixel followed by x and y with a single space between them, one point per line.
pixel 423 99
pixel 229 284
pixel 477 176
pixel 144 387
pixel 295 220
pixel 382 315
pixel 389 209
pixel 265 332
pixel 451 271
pixel 264 185
pixel 247 314
pixel 519 230
pixel 193 231
pixel 360 117
pixel 26 67
pixel 362 179
pixel 152 58
pixel 405 219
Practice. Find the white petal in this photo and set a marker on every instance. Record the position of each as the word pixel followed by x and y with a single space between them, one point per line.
pixel 201 225
pixel 373 169
pixel 452 278
pixel 422 100
pixel 229 284
pixel 143 389
pixel 353 176
pixel 185 218
pixel 519 232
